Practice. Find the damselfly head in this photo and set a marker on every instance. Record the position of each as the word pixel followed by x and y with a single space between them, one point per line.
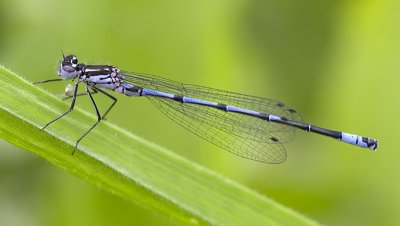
pixel 69 67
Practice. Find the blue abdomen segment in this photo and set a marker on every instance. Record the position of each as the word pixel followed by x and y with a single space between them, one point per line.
pixel 356 140
pixel 364 142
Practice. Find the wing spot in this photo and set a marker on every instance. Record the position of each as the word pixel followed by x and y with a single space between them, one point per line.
pixel 274 139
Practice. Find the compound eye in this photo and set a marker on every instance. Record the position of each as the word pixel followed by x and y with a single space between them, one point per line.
pixel 74 60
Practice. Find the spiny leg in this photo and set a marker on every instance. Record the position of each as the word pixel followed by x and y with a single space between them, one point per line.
pixel 97 90
pixel 49 80
pixel 79 94
pixel 70 109
pixel 108 95
pixel 98 119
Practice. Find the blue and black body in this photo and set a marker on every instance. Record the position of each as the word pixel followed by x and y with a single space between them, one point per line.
pixel 251 127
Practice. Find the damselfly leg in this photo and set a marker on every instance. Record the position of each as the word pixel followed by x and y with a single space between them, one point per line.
pixel 74 96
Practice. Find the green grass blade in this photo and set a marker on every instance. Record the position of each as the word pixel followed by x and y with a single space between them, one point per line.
pixel 134 169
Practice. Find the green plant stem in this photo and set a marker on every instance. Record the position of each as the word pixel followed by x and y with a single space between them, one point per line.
pixel 135 169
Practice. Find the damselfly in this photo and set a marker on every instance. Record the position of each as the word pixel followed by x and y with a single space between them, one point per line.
pixel 251 127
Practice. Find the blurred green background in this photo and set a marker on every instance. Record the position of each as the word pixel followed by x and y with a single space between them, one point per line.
pixel 334 61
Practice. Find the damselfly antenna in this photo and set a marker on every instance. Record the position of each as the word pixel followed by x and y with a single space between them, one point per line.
pixel 62 53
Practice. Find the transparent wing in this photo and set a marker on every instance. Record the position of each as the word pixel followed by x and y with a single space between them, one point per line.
pixel 243 135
